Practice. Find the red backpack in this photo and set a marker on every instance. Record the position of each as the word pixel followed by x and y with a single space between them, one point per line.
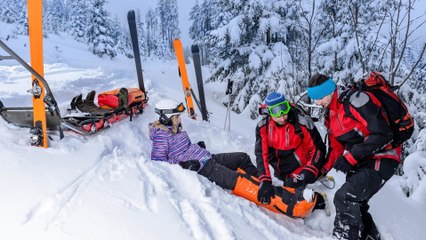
pixel 400 120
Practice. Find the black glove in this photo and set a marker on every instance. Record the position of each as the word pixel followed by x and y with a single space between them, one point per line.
pixel 342 164
pixel 201 144
pixel 266 191
pixel 300 181
pixel 193 165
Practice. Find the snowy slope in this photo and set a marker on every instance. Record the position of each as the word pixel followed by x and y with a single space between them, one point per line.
pixel 106 187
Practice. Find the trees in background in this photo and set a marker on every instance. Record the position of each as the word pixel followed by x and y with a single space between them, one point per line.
pixel 88 22
pixel 265 46
pixel 276 45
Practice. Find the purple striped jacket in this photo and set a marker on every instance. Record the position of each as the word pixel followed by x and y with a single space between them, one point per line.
pixel 175 147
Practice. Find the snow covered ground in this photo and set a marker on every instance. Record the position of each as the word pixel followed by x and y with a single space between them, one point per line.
pixel 106 187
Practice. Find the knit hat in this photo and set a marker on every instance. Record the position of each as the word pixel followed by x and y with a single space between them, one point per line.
pixel 274 98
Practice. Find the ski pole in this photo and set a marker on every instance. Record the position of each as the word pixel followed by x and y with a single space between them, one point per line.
pixel 227 126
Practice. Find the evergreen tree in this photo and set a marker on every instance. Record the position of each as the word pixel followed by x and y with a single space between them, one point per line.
pixel 169 25
pixel 197 30
pixel 151 31
pixel 337 32
pixel 54 17
pixel 121 37
pixel 2 8
pixel 99 30
pixel 9 11
pixel 162 49
pixel 78 20
pixel 249 50
pixel 22 19
pixel 141 33
pixel 201 27
pixel 350 48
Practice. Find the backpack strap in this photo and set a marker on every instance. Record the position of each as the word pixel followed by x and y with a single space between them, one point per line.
pixel 298 115
pixel 344 98
pixel 264 121
pixel 297 126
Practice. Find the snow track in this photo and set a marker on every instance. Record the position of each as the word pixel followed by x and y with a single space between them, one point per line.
pixel 50 209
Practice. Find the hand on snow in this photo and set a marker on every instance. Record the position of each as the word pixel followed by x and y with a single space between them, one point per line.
pixel 201 144
pixel 193 165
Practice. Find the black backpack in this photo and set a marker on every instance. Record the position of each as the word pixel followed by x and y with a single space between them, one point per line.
pixel 400 120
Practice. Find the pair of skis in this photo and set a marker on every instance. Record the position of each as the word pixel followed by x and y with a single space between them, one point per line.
pixel 188 92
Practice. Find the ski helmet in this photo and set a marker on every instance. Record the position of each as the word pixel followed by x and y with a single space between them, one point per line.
pixel 167 108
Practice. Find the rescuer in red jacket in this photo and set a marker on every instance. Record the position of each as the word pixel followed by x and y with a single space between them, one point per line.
pixel 359 145
pixel 287 140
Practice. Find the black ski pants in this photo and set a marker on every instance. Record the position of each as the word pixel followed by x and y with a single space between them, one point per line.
pixel 222 168
pixel 351 200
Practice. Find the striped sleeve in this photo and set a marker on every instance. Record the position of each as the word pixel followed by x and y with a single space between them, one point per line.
pixel 160 147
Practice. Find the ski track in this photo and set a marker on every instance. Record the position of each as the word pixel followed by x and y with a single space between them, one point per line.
pixel 148 189
pixel 53 207
pixel 200 215
pixel 269 233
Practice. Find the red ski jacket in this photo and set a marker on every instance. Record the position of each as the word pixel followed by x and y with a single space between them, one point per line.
pixel 289 148
pixel 365 136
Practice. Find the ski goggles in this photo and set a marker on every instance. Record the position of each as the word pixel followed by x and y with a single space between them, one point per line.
pixel 179 109
pixel 279 109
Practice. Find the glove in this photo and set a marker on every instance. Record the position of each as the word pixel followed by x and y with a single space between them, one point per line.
pixel 300 180
pixel 266 191
pixel 193 165
pixel 342 165
pixel 201 144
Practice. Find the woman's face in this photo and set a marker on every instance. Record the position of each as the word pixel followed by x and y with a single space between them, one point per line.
pixel 176 120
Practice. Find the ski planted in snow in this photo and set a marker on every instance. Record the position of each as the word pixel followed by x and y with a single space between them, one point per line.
pixel 184 77
pixel 35 28
pixel 131 19
pixel 197 66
